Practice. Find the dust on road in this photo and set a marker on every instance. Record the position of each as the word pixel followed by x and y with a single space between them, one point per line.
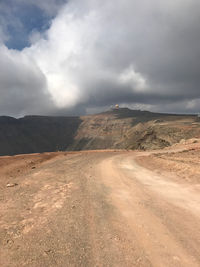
pixel 95 209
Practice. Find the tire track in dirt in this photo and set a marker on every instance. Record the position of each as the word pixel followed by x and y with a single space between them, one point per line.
pixel 134 191
pixel 97 209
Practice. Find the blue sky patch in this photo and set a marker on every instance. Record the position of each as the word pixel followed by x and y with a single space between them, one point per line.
pixel 20 21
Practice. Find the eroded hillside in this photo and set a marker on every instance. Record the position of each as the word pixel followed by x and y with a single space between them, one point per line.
pixel 116 129
pixel 129 129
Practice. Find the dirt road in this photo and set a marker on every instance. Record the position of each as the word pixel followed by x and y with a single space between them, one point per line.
pixel 95 209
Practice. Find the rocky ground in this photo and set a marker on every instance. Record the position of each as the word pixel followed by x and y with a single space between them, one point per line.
pixel 101 208
pixel 180 165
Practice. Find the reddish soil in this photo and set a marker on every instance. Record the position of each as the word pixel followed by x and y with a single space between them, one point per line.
pixel 101 208
pixel 180 162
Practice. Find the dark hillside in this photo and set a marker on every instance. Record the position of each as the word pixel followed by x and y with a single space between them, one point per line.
pixel 36 134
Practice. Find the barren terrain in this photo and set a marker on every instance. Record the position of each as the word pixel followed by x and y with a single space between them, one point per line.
pixel 101 208
pixel 121 128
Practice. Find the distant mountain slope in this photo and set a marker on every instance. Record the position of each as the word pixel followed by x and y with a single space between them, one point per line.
pixel 133 129
pixel 122 128
pixel 36 134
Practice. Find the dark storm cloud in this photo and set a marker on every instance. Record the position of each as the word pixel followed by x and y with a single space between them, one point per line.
pixel 98 53
pixel 161 40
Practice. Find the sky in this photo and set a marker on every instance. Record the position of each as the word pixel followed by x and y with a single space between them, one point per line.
pixel 64 57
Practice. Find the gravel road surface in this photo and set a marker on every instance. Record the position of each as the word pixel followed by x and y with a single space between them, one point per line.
pixel 98 208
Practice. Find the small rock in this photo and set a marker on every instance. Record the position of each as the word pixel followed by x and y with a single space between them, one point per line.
pixel 9 242
pixel 49 251
pixel 33 167
pixel 11 185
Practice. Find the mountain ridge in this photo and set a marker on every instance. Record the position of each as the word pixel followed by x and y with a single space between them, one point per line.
pixel 114 129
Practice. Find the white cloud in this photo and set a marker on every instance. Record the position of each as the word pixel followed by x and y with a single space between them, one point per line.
pixel 134 79
pixel 72 53
pixel 22 85
pixel 130 51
